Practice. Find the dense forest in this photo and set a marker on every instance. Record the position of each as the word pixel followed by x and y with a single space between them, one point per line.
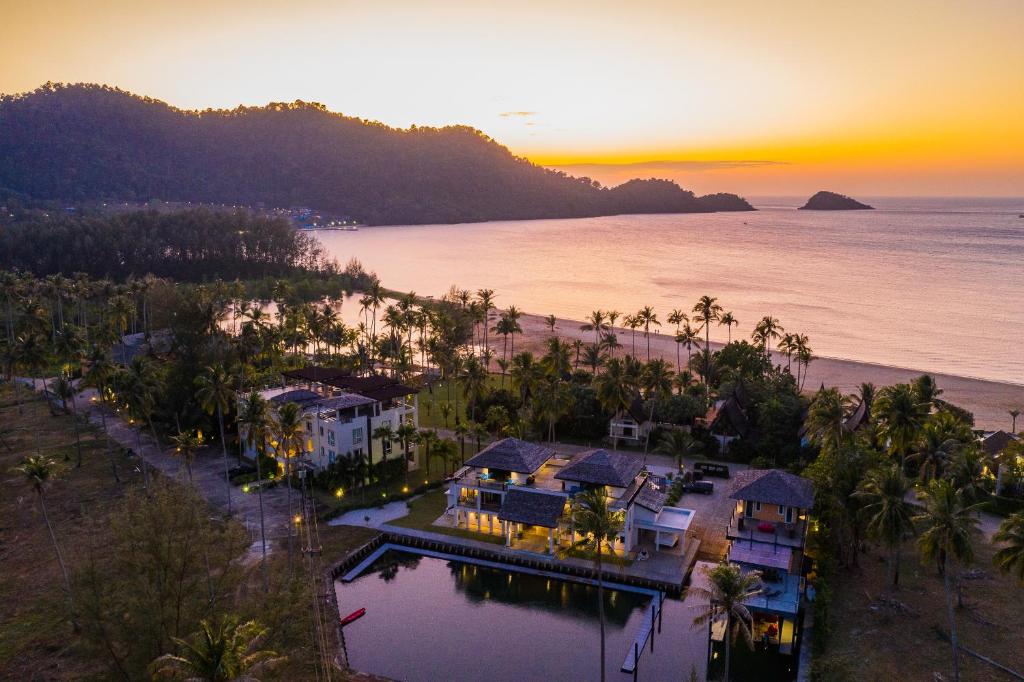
pixel 81 143
pixel 193 244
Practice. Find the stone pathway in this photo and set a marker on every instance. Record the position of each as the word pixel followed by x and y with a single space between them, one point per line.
pixel 374 517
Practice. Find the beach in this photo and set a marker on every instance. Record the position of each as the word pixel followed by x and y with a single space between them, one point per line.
pixel 990 401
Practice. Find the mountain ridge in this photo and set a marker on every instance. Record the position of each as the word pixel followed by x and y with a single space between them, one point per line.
pixel 89 142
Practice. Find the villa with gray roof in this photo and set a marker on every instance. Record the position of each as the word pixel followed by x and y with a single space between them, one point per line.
pixel 341 413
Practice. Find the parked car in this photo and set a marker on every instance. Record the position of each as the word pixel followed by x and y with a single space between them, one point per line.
pixel 712 469
pixel 701 487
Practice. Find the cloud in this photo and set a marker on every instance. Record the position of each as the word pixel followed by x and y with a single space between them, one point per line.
pixel 520 114
pixel 680 165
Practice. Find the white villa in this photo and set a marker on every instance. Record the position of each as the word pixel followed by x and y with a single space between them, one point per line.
pixel 522 492
pixel 342 412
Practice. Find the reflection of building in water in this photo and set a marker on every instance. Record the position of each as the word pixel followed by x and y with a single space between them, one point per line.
pixel 571 599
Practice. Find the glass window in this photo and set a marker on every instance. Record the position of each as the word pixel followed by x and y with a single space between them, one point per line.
pixel 330 438
pixel 357 435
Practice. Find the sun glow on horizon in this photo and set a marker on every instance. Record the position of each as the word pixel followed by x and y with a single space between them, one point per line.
pixel 884 97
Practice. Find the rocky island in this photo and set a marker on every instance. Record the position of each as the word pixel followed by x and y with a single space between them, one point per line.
pixel 830 201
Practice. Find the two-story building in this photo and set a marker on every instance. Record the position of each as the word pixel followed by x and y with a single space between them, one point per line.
pixel 341 414
pixel 767 533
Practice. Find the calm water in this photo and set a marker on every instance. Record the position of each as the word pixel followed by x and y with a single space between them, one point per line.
pixel 427 615
pixel 928 284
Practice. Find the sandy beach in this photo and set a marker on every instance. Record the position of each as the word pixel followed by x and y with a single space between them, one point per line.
pixel 988 400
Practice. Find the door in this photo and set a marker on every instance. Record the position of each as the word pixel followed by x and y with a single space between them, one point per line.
pixel 749 511
pixel 789 515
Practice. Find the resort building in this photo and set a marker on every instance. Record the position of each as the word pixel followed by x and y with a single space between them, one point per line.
pixel 631 424
pixel 342 413
pixel 523 492
pixel 727 419
pixel 766 533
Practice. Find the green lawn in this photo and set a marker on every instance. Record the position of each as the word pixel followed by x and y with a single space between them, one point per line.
pixel 424 510
pixel 431 399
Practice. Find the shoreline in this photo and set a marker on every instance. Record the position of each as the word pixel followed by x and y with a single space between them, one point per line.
pixel 988 400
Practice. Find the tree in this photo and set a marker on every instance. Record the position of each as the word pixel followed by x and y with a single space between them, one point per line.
pixel 890 515
pixel 290 430
pixel 551 321
pixel 213 391
pixel 386 435
pixel 1010 559
pixel 407 434
pixel 38 471
pixel 614 390
pixel 552 401
pixel 598 525
pixel 595 323
pixel 947 525
pixel 1013 416
pixel 647 317
pixel 680 445
pixel 254 423
pixel 474 383
pixel 730 321
pixel 825 418
pixel 139 389
pixel 729 588
pixel 900 415
pixel 224 653
pixel 97 375
pixel 187 444
pixel 766 331
pixel 65 390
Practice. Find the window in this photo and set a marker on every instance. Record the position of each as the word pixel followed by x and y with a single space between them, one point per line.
pixel 386 445
pixel 321 452
pixel 330 457
pixel 309 427
pixel 357 435
pixel 782 510
pixel 757 506
pixel 321 431
pixel 358 452
pixel 330 439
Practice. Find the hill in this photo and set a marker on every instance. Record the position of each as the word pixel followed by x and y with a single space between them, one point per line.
pixel 81 143
pixel 830 201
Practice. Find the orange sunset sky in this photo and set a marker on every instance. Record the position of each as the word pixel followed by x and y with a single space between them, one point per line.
pixel 894 97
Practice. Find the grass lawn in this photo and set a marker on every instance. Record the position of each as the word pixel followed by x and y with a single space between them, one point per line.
pixel 431 399
pixel 874 641
pixel 424 510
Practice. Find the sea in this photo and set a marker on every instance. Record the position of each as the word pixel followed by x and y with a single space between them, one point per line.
pixel 931 284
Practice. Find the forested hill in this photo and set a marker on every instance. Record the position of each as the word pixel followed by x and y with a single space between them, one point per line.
pixel 81 143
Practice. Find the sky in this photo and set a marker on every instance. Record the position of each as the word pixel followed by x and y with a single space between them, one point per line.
pixel 871 98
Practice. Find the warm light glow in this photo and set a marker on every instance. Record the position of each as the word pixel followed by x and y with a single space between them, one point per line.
pixel 297 519
pixel 914 97
pixel 405 488
pixel 339 492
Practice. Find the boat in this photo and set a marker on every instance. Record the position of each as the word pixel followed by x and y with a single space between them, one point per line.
pixel 353 617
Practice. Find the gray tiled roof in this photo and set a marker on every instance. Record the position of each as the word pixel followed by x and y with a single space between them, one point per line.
pixel 600 467
pixel 995 443
pixel 651 497
pixel 300 396
pixel 772 486
pixel 522 505
pixel 511 454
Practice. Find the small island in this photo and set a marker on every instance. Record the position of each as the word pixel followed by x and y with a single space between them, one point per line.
pixel 830 201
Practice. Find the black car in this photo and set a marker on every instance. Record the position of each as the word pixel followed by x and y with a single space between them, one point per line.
pixel 702 487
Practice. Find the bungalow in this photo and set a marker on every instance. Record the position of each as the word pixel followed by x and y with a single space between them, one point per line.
pixel 728 419
pixel 995 444
pixel 629 489
pixel 341 413
pixel 766 533
pixel 630 424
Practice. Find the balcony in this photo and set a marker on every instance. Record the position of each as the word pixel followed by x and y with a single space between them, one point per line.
pixel 782 594
pixel 774 533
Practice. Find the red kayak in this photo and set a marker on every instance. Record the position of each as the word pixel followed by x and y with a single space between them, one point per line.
pixel 352 617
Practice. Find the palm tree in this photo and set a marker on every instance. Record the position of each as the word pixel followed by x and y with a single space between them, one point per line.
pixel 730 321
pixel 386 435
pixel 765 332
pixel 647 317
pixel 254 422
pixel 213 391
pixel 707 311
pixel 474 383
pixel 729 588
pixel 680 445
pixel 598 525
pixel 947 525
pixel 1010 559
pixel 512 314
pixel 1013 415
pixel 890 515
pixel 551 321
pixel 407 434
pixel 65 390
pixel 688 337
pixel 486 299
pixel 614 390
pixel 901 416
pixel 225 653
pixel 595 323
pixel 38 471
pixel 552 401
pixel 290 430
pixel 187 444
pixel 139 391
pixel 825 418
pixel 98 376
pixel 428 438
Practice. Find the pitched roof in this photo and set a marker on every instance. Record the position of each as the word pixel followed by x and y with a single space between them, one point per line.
pixel 772 486
pixel 600 467
pixel 994 443
pixel 857 418
pixel 731 413
pixel 511 454
pixel 313 373
pixel 650 496
pixel 522 505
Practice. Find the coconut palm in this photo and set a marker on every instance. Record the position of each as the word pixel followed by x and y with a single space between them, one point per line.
pixel 552 401
pixel 678 317
pixel 688 337
pixel 513 314
pixel 598 525
pixel 595 323
pixel 947 526
pixel 614 390
pixel 139 388
pixel 825 417
pixel 223 653
pixel 187 444
pixel 486 299
pixel 254 424
pixel 647 317
pixel 407 434
pixel 729 588
pixel 900 415
pixel 1010 559
pixel 428 439
pixel 593 357
pixel 680 445
pixel 65 390
pixel 474 383
pixel 890 516
pixel 766 331
pixel 707 310
pixel 289 428
pixel 730 321
pixel 214 393
pixel 1013 415
pixel 386 435
pixel 98 374
pixel 38 472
